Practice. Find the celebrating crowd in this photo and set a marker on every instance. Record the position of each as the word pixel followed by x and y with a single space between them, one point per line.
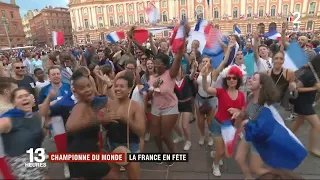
pixel 132 91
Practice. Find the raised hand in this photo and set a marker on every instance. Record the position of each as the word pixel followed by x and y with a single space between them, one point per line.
pixel 205 70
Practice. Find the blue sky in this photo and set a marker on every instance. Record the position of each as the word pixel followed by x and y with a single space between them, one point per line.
pixel 26 5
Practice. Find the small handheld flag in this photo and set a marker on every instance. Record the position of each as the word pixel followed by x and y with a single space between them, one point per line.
pixel 289 19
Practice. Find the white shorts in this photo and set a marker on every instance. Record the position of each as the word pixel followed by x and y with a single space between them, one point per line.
pixel 162 112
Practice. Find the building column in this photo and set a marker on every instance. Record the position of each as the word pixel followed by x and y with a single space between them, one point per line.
pixel 125 7
pixel 105 15
pixel 80 17
pixel 94 16
pixel 115 10
pixel 135 8
pixel 171 10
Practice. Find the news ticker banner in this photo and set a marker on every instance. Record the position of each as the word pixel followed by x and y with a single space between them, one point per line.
pixel 118 157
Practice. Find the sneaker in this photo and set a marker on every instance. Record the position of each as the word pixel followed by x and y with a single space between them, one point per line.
pixel 187 146
pixel 66 170
pixel 201 140
pixel 122 169
pixel 178 139
pixel 291 117
pixel 169 164
pixel 210 141
pixel 147 137
pixel 212 155
pixel 216 170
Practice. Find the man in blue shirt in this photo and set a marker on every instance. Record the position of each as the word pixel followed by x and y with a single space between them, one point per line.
pixel 61 88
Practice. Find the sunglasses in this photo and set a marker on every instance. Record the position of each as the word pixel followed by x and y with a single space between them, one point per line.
pixel 22 67
pixel 233 78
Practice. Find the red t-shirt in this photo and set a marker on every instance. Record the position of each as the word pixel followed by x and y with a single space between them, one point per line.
pixel 225 102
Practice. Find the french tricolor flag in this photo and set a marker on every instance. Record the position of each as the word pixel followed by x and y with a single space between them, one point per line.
pixel 295 58
pixel 4 167
pixel 177 41
pixel 289 19
pixel 273 35
pixel 115 36
pixel 229 136
pixel 153 14
pixel 59 133
pixel 278 147
pixel 58 38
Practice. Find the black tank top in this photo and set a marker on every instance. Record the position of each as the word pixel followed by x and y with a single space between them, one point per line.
pixel 117 132
pixel 281 82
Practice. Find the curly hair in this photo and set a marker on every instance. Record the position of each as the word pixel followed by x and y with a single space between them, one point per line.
pixel 269 94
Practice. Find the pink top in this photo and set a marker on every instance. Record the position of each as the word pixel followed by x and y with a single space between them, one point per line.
pixel 166 98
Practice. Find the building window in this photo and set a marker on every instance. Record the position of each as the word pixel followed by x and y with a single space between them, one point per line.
pixel 139 6
pixel 130 7
pixel 62 21
pixel 182 2
pixel 120 8
pixel 47 22
pixel 216 1
pixel 111 21
pixel 199 11
pixel 273 10
pixel 309 25
pixel 261 10
pixel 14 27
pixel 297 8
pixel 86 23
pixel 312 7
pixel 216 13
pixel 110 9
pixel 11 14
pixel 131 20
pixel 249 13
pixel 88 38
pixel 164 16
pixel 183 14
pixel 102 36
pixel 165 33
pixel 164 4
pixel 99 10
pixel 248 28
pixel 285 10
pixel 141 19
pixel 235 12
pixel 3 13
pixel 235 1
pixel 121 20
pixel 249 1
pixel 85 11
pixel 100 21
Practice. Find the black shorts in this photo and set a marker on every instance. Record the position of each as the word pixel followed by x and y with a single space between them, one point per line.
pixel 185 106
pixel 304 109
pixel 92 170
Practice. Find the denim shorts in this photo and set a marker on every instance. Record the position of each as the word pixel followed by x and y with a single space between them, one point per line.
pixel 213 102
pixel 215 127
pixel 111 146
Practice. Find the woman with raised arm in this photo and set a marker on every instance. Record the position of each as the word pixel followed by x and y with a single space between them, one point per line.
pixel 206 104
pixel 22 129
pixel 231 102
pixel 84 125
pixel 164 107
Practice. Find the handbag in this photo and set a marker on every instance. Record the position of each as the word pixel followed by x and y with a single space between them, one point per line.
pixel 125 149
pixel 205 108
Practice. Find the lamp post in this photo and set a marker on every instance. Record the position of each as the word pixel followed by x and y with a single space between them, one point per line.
pixel 5 23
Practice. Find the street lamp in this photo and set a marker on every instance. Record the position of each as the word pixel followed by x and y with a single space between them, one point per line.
pixel 5 22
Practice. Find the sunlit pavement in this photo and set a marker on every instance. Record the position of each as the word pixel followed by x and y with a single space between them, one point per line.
pixel 199 165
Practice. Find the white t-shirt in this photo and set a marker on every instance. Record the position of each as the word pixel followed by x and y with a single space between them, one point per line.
pixel 136 96
pixel 211 83
pixel 40 85
pixel 263 65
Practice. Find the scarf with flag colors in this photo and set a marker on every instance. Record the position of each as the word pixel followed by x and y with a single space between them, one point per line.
pixel 230 136
pixel 278 147
pixel 115 36
pixel 59 133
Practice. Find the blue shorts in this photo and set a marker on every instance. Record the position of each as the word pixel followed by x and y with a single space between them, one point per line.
pixel 110 146
pixel 215 127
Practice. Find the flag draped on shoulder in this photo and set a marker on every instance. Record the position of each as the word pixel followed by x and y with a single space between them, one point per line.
pixel 278 147
pixel 59 134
